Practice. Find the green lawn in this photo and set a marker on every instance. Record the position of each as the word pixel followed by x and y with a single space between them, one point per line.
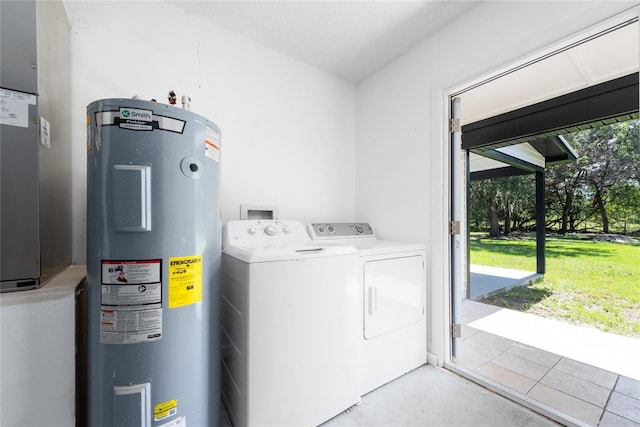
pixel 587 282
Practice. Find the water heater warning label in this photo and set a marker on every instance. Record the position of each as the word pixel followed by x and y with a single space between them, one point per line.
pixel 165 410
pixel 130 272
pixel 185 280
pixel 212 145
pixel 130 325
pixel 131 301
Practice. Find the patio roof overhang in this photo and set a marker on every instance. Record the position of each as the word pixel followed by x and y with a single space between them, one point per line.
pixel 520 159
pixel 529 139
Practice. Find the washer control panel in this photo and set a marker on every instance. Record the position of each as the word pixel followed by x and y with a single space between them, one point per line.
pixel 263 232
pixel 338 230
pixel 269 229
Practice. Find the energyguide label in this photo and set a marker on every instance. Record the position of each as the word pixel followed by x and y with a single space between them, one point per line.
pixel 185 280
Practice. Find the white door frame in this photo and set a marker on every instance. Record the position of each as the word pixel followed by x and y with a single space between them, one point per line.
pixel 577 38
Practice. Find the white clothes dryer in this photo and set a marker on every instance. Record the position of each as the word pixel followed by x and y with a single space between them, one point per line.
pixel 290 324
pixel 393 278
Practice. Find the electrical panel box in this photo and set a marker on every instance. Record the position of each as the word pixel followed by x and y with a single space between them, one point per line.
pixel 19 214
pixel 35 143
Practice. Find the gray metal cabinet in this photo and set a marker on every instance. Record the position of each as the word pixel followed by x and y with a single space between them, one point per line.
pixel 19 216
pixel 20 250
pixel 18 46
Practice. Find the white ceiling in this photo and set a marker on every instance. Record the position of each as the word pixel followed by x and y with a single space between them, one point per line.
pixel 349 39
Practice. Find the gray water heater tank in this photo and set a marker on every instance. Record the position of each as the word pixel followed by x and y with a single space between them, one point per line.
pixel 153 266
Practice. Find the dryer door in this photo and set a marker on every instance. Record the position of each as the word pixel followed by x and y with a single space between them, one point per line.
pixel 394 294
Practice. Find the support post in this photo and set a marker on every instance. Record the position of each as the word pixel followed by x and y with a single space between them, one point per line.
pixel 540 224
pixel 468 228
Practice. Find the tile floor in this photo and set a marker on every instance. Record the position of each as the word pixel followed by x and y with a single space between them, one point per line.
pixel 430 396
pixel 592 395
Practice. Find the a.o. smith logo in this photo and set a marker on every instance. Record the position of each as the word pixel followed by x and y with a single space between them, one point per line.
pixel 133 114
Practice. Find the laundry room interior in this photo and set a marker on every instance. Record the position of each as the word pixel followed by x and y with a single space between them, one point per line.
pixel 330 113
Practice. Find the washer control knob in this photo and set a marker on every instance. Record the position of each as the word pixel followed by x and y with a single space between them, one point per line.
pixel 286 229
pixel 321 229
pixel 330 229
pixel 252 230
pixel 270 230
pixel 359 228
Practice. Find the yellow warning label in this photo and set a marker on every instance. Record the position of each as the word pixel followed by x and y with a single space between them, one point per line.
pixel 185 280
pixel 165 406
pixel 165 409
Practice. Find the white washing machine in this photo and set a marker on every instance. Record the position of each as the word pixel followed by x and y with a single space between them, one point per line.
pixel 290 324
pixel 393 276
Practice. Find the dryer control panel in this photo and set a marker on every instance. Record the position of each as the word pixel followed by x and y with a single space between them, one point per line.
pixel 340 230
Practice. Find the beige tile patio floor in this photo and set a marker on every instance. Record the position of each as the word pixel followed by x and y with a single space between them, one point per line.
pixel 587 392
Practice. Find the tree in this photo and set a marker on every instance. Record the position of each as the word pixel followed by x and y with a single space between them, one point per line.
pixel 562 191
pixel 602 186
pixel 508 200
pixel 624 207
pixel 608 156
pixel 483 198
pixel 517 197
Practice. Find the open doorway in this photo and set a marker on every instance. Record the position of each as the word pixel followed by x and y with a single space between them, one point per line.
pixel 509 132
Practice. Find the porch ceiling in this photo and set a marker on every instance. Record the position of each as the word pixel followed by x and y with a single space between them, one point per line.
pixel 530 138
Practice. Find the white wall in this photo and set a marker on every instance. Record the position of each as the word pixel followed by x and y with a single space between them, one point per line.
pixel 288 129
pixel 402 172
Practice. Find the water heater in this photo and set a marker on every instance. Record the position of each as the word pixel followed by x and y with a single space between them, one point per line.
pixel 153 266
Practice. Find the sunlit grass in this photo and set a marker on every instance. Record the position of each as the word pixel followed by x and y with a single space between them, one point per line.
pixel 586 282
